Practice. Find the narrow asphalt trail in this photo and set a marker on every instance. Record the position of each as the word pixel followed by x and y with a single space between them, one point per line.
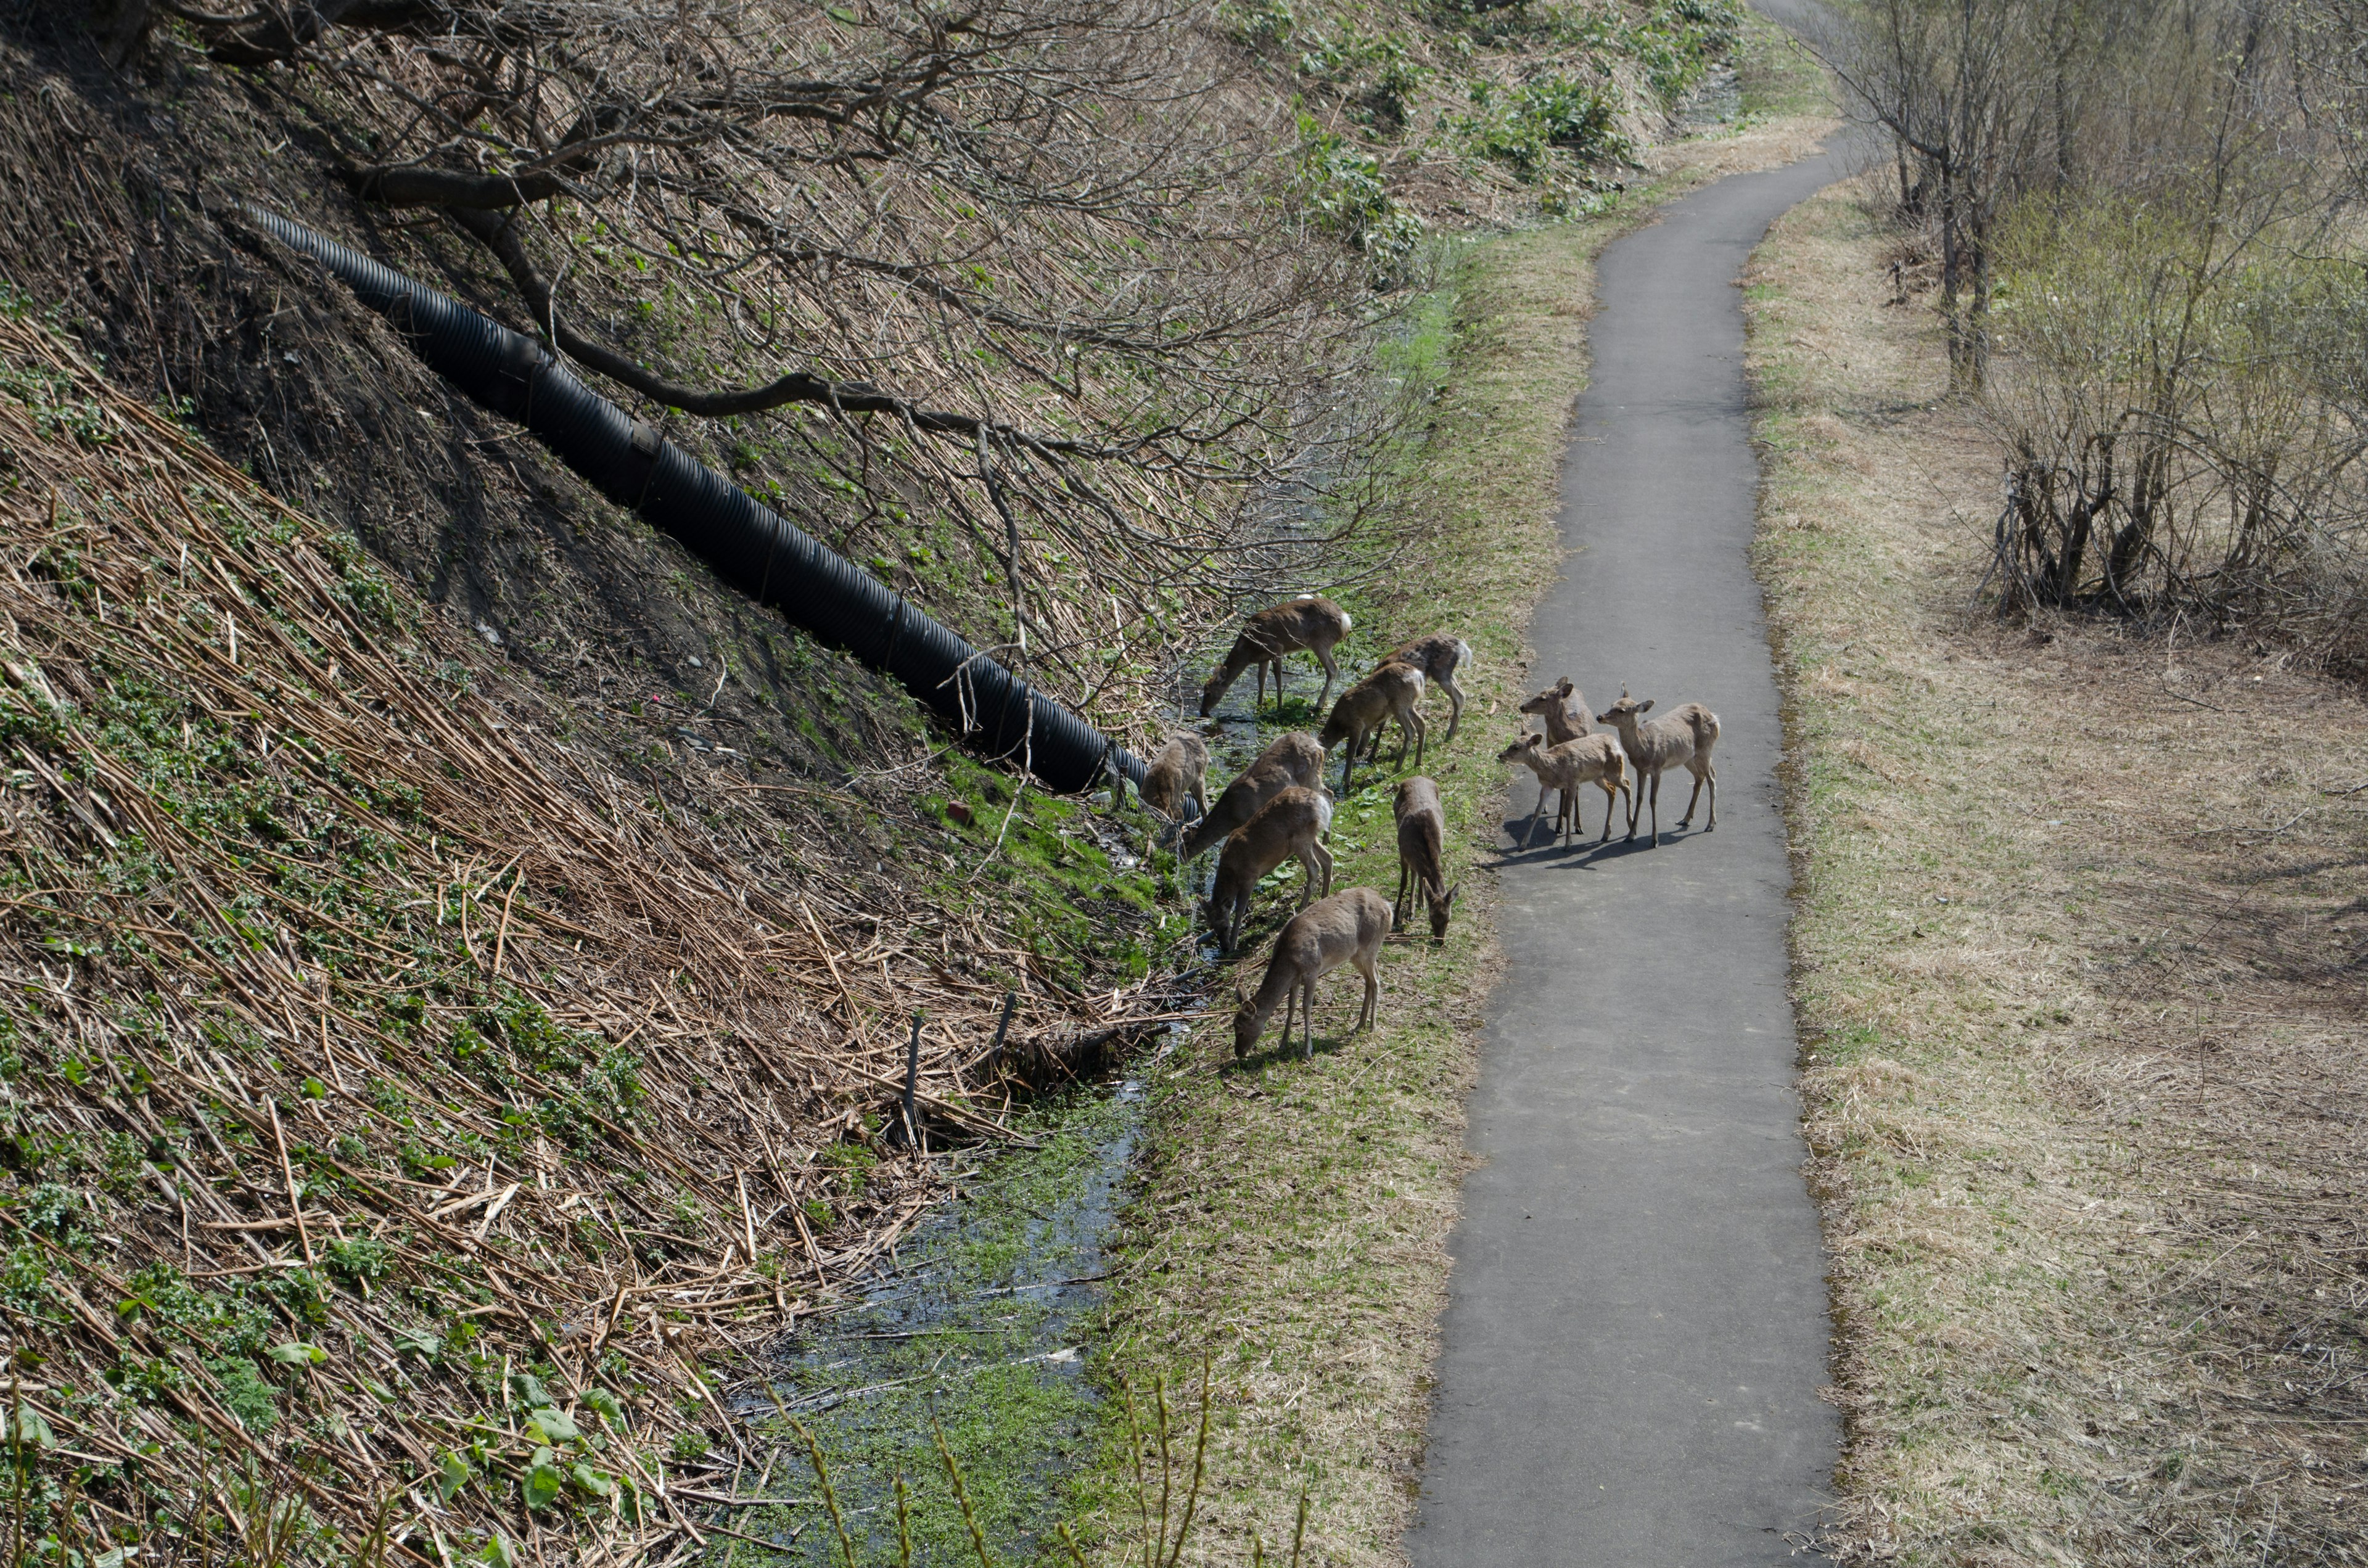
pixel 1637 1327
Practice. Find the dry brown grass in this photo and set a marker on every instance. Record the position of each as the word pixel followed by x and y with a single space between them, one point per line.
pixel 378 1064
pixel 2079 951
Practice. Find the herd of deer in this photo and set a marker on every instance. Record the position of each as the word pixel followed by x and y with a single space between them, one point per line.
pixel 1279 809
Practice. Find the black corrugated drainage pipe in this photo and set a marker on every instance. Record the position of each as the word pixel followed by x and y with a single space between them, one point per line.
pixel 749 545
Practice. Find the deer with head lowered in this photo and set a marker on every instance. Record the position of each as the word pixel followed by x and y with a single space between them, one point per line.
pixel 1309 623
pixel 1589 759
pixel 1290 825
pixel 1178 774
pixel 1294 758
pixel 1346 927
pixel 1393 691
pixel 1563 707
pixel 1422 840
pixel 1682 737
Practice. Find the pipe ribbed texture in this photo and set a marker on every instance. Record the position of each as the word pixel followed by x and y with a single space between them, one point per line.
pixel 750 546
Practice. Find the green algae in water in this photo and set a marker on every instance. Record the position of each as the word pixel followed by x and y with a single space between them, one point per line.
pixel 986 1329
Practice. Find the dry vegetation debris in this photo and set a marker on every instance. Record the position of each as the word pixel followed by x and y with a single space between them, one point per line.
pixel 404 1103
pixel 2082 968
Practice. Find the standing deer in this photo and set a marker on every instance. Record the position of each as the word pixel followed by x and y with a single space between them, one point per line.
pixel 1347 927
pixel 1589 759
pixel 1315 624
pixel 1180 773
pixel 1294 758
pixel 1292 825
pixel 1563 707
pixel 1393 691
pixel 1422 839
pixel 1437 657
pixel 1682 736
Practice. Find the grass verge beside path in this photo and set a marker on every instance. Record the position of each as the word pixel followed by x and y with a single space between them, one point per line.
pixel 2078 953
pixel 1292 1217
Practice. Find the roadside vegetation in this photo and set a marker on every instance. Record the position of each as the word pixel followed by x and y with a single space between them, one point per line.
pixel 2077 772
pixel 2138 224
pixel 2079 978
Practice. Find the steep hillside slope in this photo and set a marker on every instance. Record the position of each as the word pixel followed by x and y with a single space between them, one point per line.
pixel 406 1086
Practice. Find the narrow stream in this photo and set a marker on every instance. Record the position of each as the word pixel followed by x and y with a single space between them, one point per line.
pixel 982 1333
pixel 984 1328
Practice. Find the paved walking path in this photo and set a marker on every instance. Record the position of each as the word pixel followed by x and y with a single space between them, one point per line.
pixel 1638 1326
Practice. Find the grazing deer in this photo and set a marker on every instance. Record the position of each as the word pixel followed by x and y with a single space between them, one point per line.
pixel 1292 825
pixel 1437 657
pixel 1422 839
pixel 1294 758
pixel 1589 759
pixel 1346 927
pixel 1682 736
pixel 1393 691
pixel 1314 624
pixel 1180 773
pixel 1563 707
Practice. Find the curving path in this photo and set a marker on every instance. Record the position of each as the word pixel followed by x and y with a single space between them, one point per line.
pixel 1637 1328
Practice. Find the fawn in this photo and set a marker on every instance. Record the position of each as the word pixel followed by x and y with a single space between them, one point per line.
pixel 1393 691
pixel 1346 927
pixel 1563 707
pixel 1588 759
pixel 1293 824
pixel 1314 624
pixel 1422 838
pixel 1178 774
pixel 1437 657
pixel 1294 758
pixel 1682 736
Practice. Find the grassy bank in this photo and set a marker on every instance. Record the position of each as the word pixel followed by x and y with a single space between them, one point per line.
pixel 1292 1217
pixel 2078 969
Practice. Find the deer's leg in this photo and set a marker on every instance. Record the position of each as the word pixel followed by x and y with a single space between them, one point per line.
pixel 1688 820
pixel 1711 771
pixel 1290 1007
pixel 1656 811
pixel 1369 1014
pixel 1536 812
pixel 1454 705
pixel 1397 904
pixel 1421 735
pixel 1307 1021
pixel 1324 859
pixel 1331 671
pixel 1611 802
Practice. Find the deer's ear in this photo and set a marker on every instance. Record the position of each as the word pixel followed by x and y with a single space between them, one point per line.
pixel 1562 686
pixel 1645 706
pixel 1239 999
pixel 1449 896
